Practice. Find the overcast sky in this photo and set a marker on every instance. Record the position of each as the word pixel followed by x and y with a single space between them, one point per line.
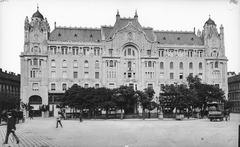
pixel 158 14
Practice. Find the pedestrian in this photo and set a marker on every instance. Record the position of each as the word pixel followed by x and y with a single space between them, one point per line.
pixel 31 115
pixel 11 127
pixel 59 118
pixel 80 116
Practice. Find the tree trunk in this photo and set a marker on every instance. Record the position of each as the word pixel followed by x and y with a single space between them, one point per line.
pixel 143 114
pixel 95 115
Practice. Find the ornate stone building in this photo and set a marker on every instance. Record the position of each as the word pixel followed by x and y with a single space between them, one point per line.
pixel 110 56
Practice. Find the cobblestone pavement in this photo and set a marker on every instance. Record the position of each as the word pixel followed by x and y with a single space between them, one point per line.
pixel 42 132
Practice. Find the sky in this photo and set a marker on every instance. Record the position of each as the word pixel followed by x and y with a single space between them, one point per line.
pixel 174 15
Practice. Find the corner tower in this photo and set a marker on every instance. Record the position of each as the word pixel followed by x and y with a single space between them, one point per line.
pixel 34 59
pixel 216 61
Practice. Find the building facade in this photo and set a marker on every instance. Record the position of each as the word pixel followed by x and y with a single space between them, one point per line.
pixel 10 85
pixel 110 56
pixel 234 92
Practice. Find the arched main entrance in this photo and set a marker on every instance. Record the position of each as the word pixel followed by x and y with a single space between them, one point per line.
pixel 35 102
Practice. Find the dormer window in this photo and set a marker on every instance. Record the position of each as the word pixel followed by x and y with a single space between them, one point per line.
pixel 164 38
pixel 178 38
pixel 59 35
pixel 75 35
pixel 192 39
pixel 91 36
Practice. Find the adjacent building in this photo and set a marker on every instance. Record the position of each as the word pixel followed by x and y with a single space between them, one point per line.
pixel 123 54
pixel 10 85
pixel 234 92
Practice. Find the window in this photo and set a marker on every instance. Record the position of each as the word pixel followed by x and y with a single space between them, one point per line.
pixel 161 75
pixel 75 64
pixel 53 87
pixel 200 75
pixel 64 64
pixel 111 63
pixel 180 65
pixel 85 64
pixel 161 65
pixel 53 64
pixel 181 76
pixel 171 65
pixel 149 63
pixel 96 75
pixel 35 61
pixel 190 65
pixel 125 53
pixel 149 52
pixel 85 85
pixel 85 75
pixel 64 87
pixel 35 87
pixel 129 75
pixel 129 64
pixel 200 65
pixel 129 52
pixel 97 86
pixel 150 85
pixel 216 64
pixel 64 74
pixel 53 74
pixel 171 76
pixel 75 74
pixel 110 51
pixel 97 64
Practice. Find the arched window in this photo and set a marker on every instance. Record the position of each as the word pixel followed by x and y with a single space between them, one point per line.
pixel 190 65
pixel 133 52
pixel 180 65
pixel 75 64
pixel 35 61
pixel 200 65
pixel 171 65
pixel 53 64
pixel 129 64
pixel 111 63
pixel 125 53
pixel 161 65
pixel 53 87
pixel 149 63
pixel 85 64
pixel 96 64
pixel 64 87
pixel 35 99
pixel 216 64
pixel 85 85
pixel 64 64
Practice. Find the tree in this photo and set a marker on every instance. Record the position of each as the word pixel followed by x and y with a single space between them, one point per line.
pixel 7 102
pixel 123 97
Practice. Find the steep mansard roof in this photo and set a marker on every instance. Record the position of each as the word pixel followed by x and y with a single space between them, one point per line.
pixel 75 34
pixel 181 38
pixel 107 32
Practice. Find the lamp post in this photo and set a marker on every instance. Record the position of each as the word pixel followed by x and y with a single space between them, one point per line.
pixel 160 115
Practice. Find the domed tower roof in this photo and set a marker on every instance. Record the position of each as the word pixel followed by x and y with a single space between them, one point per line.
pixel 37 14
pixel 210 22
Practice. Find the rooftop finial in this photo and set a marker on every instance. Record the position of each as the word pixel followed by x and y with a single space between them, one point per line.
pixel 37 7
pixel 118 13
pixel 136 13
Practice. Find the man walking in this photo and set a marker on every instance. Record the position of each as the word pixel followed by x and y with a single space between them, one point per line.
pixel 59 117
pixel 10 128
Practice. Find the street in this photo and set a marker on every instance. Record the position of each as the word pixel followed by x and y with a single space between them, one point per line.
pixel 42 132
